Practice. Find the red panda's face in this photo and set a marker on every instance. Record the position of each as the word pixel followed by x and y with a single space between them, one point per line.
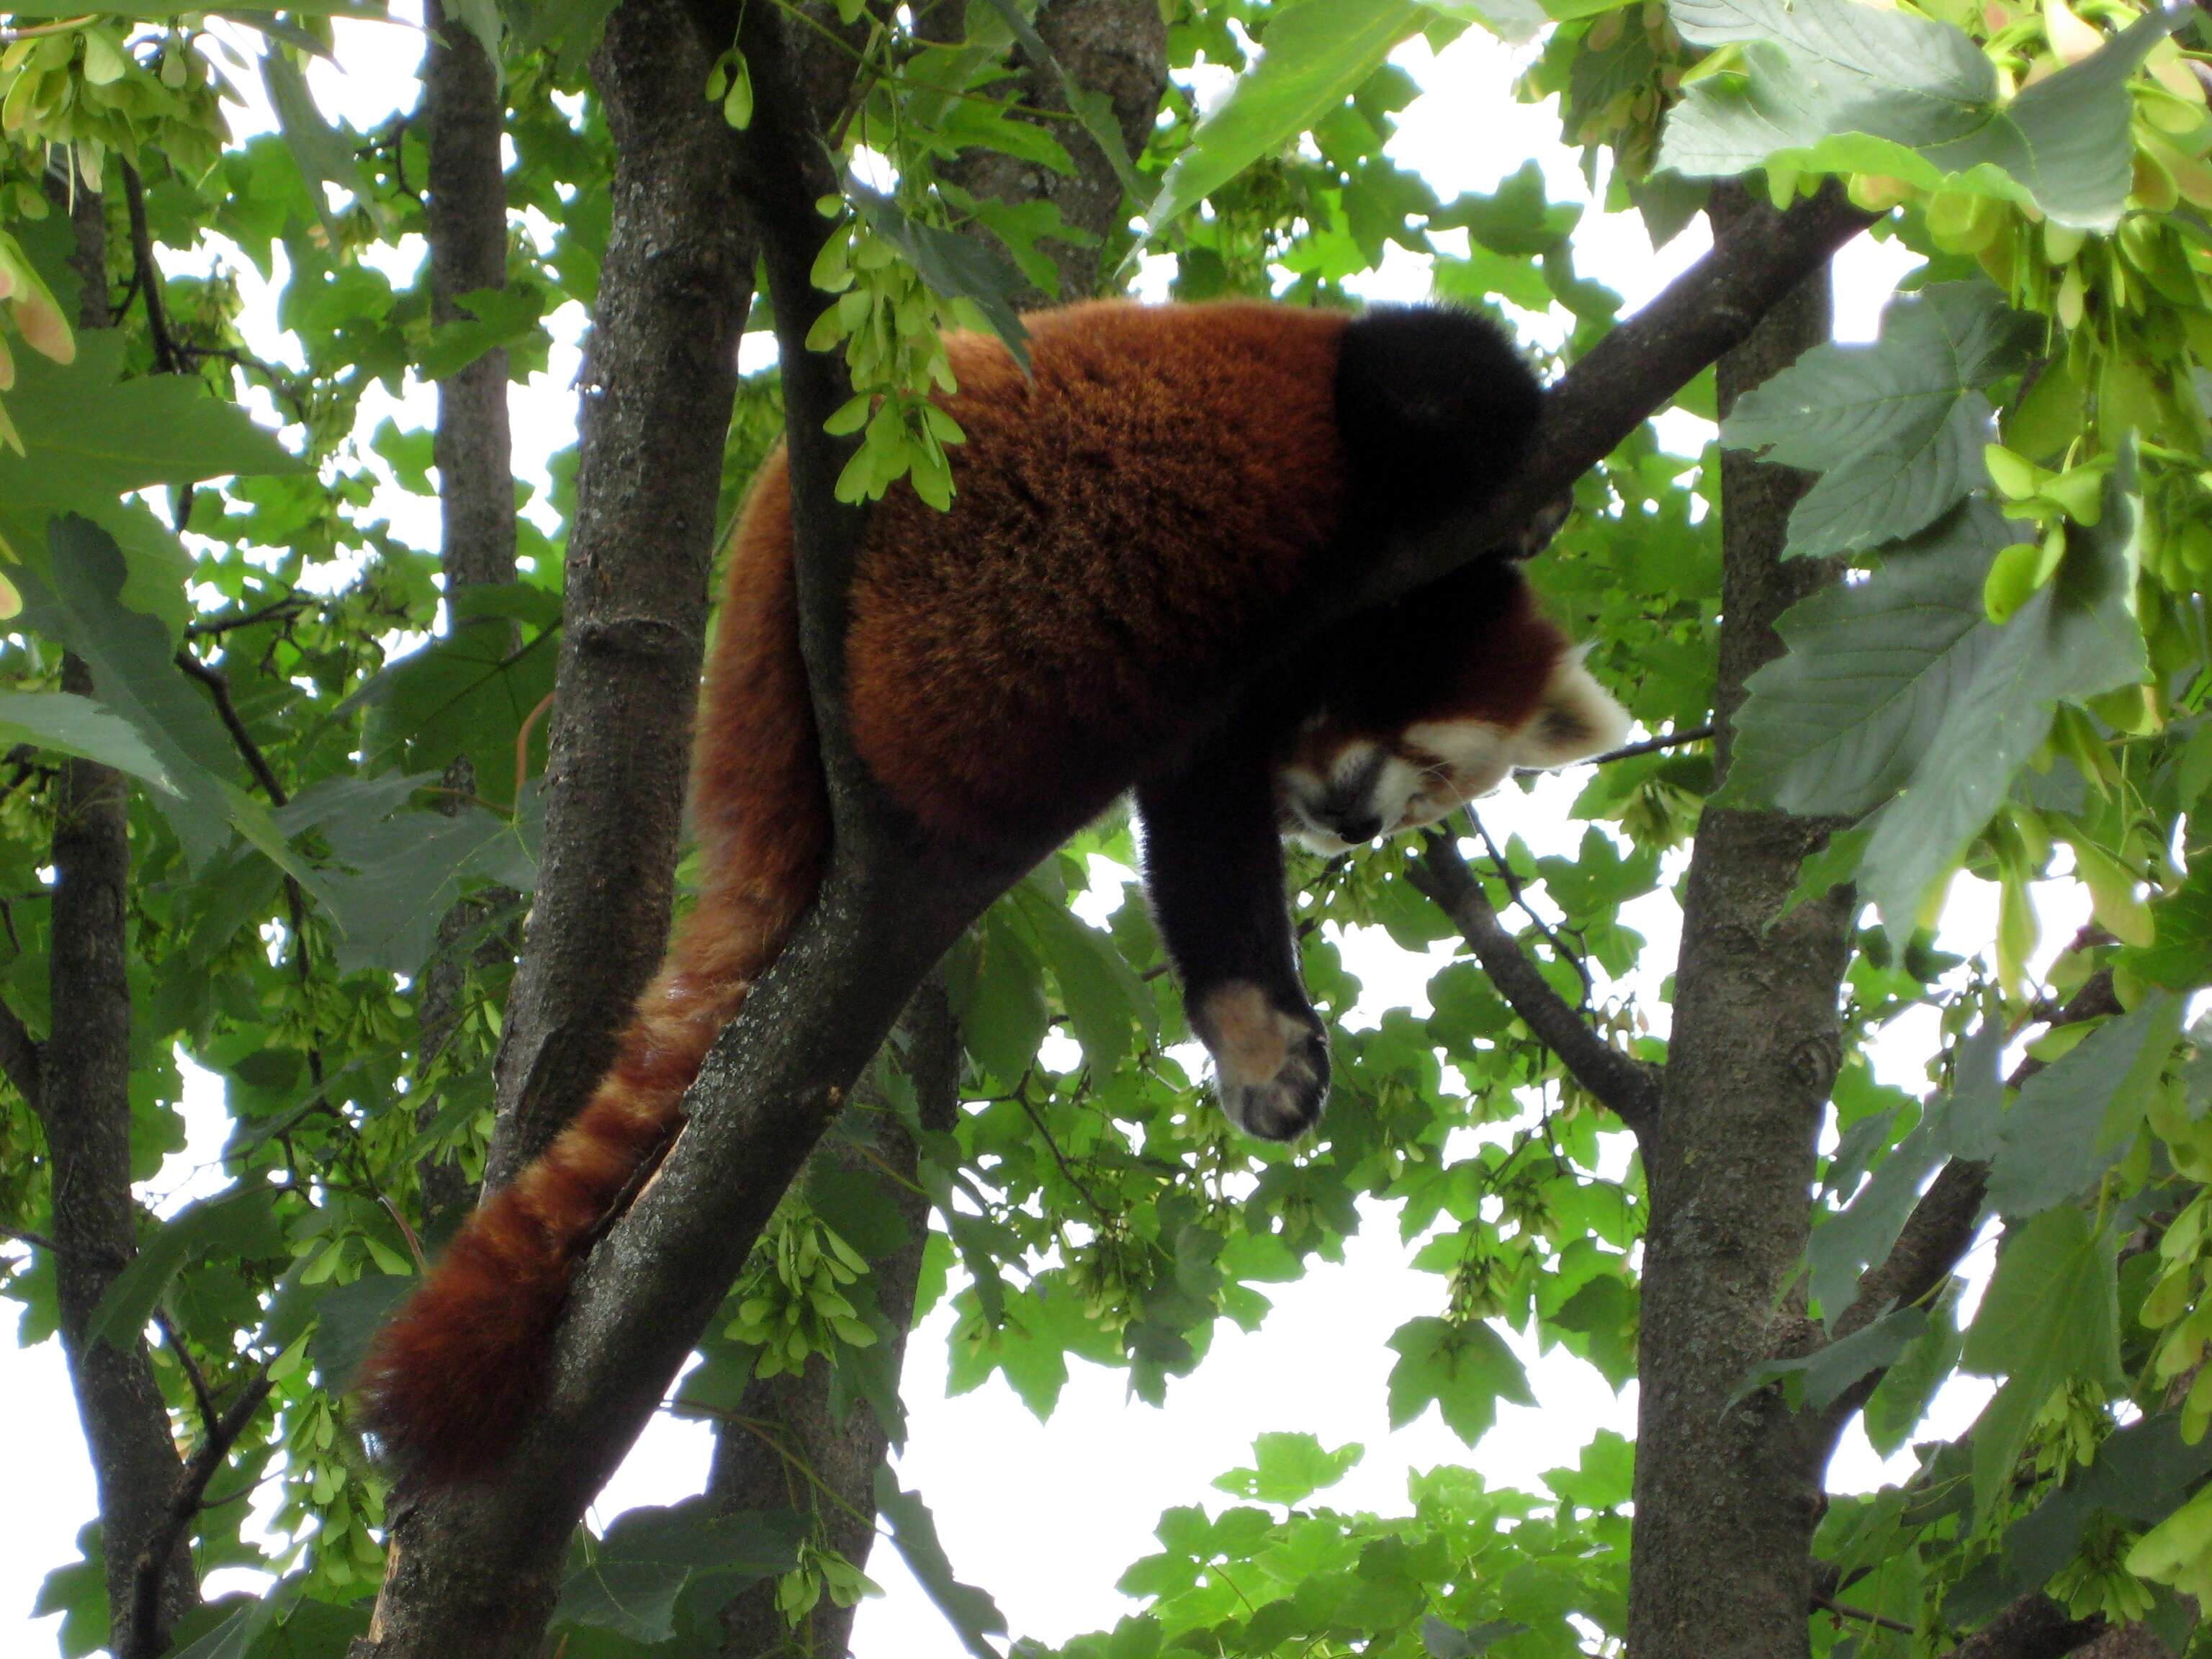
pixel 1341 786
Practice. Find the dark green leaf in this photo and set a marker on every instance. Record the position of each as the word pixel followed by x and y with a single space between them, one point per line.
pixel 974 1616
pixel 650 1556
pixel 239 1224
pixel 2076 1115
pixel 1895 428
pixel 2076 637
pixel 954 266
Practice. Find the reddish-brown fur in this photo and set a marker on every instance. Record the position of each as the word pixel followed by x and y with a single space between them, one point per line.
pixel 1153 493
pixel 1130 521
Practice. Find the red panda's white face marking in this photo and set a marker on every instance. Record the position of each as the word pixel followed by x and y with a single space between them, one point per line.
pixel 1340 789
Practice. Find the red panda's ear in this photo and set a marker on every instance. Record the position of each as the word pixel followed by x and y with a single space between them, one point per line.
pixel 1576 719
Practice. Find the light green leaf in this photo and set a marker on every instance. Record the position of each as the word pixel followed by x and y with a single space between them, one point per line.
pixel 1465 1369
pixel 1289 1469
pixel 1829 86
pixel 1834 1366
pixel 1316 53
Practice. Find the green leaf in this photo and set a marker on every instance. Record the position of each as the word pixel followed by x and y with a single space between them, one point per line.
pixel 650 1556
pixel 1837 726
pixel 2075 638
pixel 974 1616
pixel 1316 53
pixel 1466 1370
pixel 1828 85
pixel 2078 1115
pixel 954 266
pixel 1900 1401
pixel 465 692
pixel 854 1204
pixel 1896 428
pixel 498 318
pixel 2180 955
pixel 1005 1017
pixel 241 1224
pixel 2052 1313
pixel 347 1317
pixel 1442 1641
pixel 2142 1474
pixel 1834 1366
pixel 1107 1003
pixel 1289 1469
pixel 78 725
pixel 407 871
pixel 89 437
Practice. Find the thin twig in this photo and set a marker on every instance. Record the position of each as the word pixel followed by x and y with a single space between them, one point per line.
pixel 218 685
pixel 1622 1081
pixel 25 1236
pixel 1022 1098
pixel 1845 1610
pixel 148 277
pixel 1520 903
pixel 1653 745
pixel 210 1418
pixel 212 627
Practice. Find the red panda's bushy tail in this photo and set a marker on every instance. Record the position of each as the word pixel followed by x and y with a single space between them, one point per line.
pixel 449 1378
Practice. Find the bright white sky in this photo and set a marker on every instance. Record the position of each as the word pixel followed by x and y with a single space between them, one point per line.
pixel 1046 1517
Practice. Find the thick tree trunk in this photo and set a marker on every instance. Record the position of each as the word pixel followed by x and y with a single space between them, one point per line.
pixel 84 1105
pixel 1727 1499
pixel 463 117
pixel 660 373
pixel 795 1414
pixel 463 120
pixel 1119 48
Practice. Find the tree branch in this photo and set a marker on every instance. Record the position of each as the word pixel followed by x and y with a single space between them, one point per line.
pixel 147 275
pixel 1759 256
pixel 1627 1085
pixel 1939 1231
pixel 2034 1627
pixel 19 1057
pixel 1653 745
pixel 146 1637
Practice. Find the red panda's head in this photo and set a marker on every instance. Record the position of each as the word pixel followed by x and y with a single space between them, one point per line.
pixel 1419 707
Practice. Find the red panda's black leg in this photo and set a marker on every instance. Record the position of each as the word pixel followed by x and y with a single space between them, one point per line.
pixel 1213 868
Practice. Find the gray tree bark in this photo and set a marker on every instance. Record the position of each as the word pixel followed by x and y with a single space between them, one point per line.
pixel 1726 1498
pixel 84 1102
pixel 462 117
pixel 1117 48
pixel 660 373
pixel 790 1424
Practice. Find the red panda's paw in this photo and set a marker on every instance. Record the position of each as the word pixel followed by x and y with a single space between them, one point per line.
pixel 1271 1063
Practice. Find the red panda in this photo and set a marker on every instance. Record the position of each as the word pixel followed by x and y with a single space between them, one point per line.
pixel 1134 519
